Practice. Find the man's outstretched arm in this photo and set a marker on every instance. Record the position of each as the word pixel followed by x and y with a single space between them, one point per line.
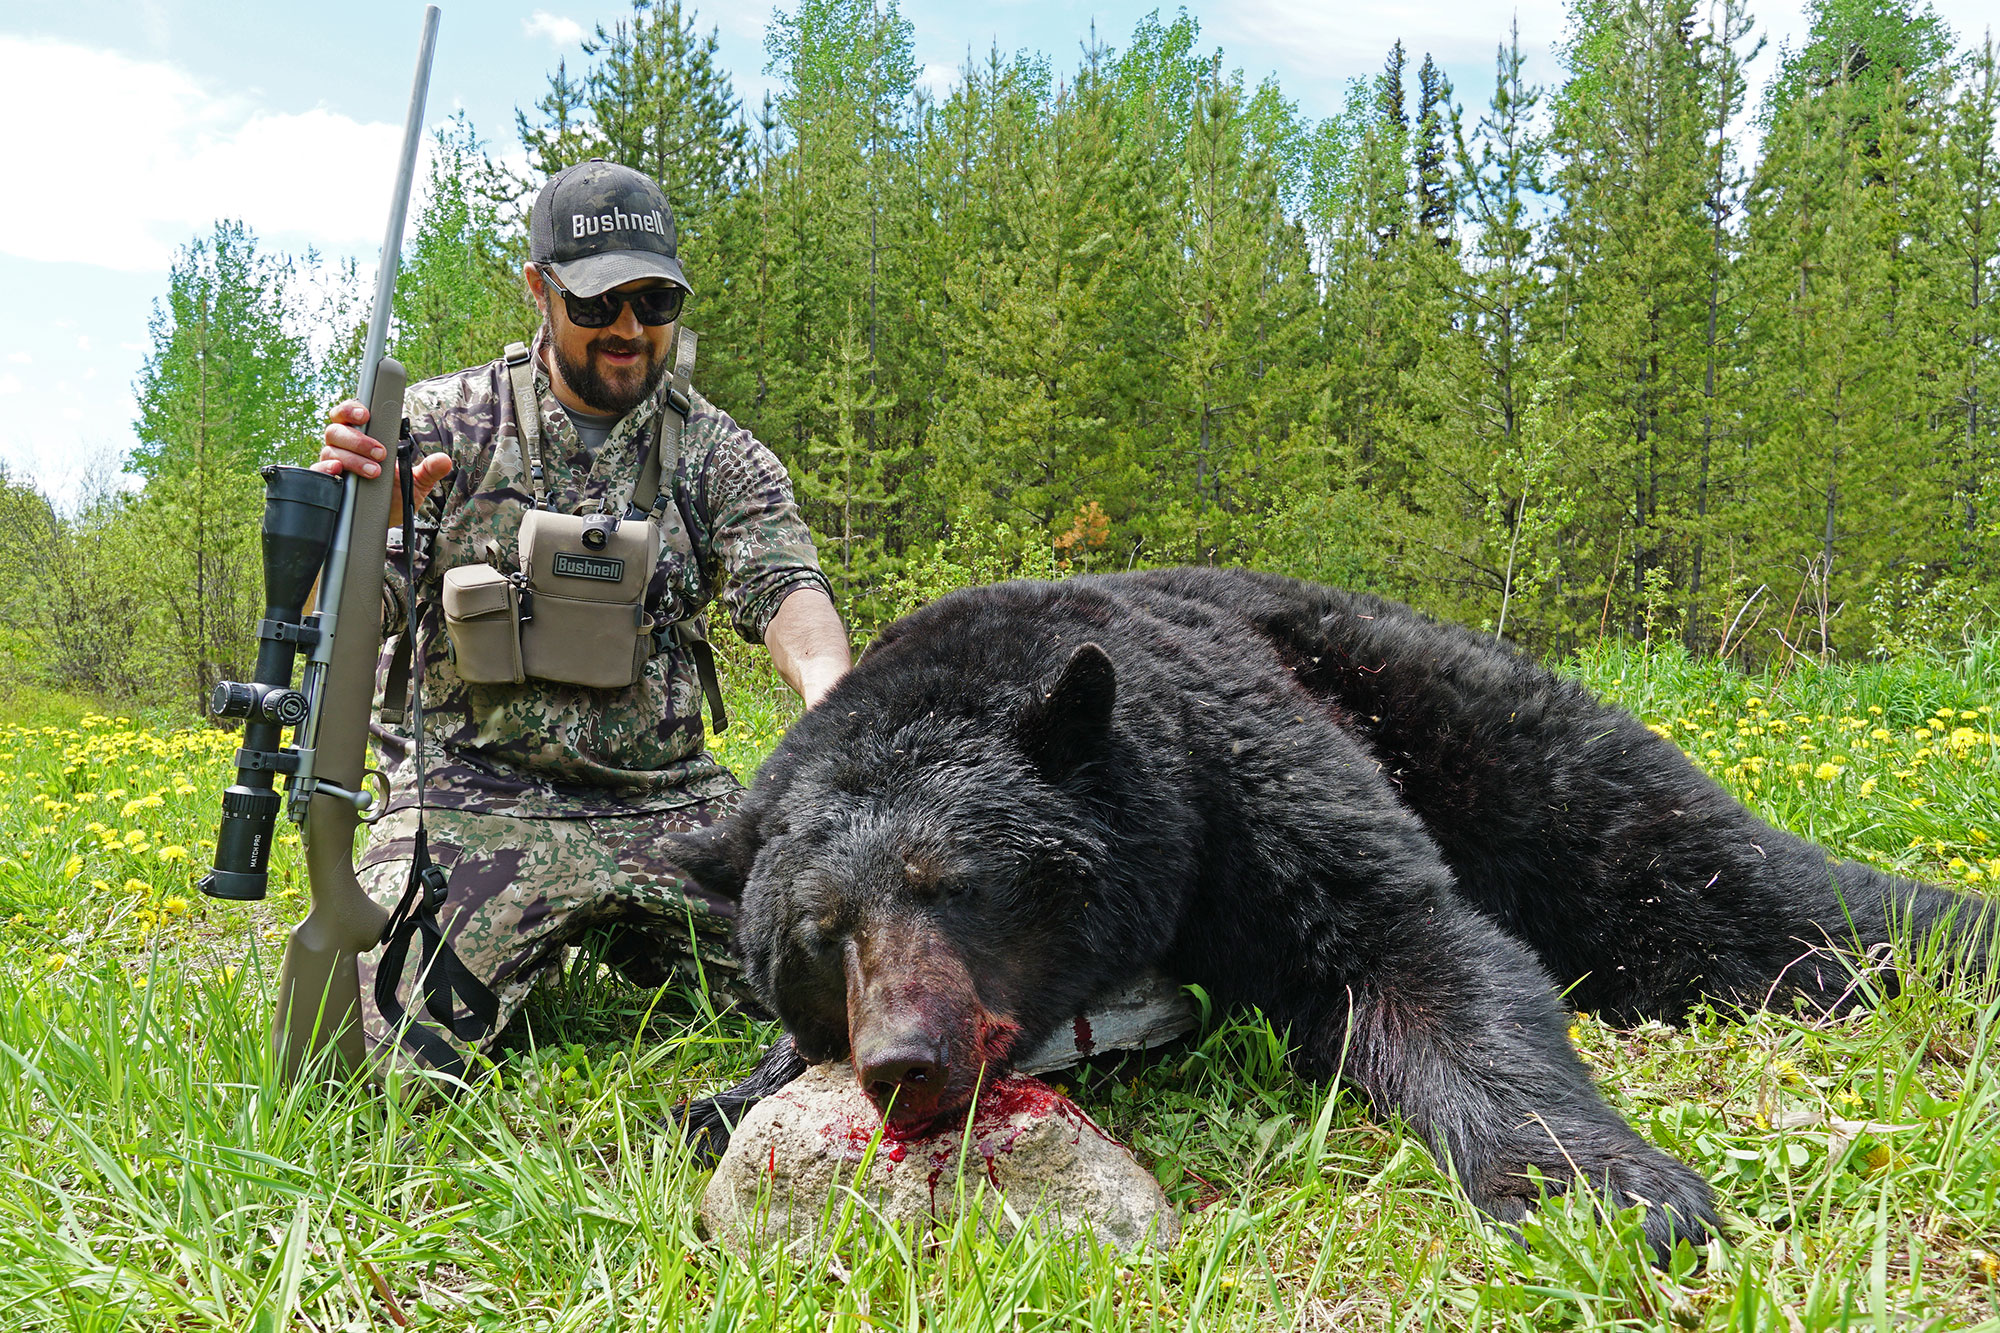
pixel 808 643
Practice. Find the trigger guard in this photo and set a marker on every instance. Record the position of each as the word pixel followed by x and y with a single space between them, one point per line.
pixel 381 805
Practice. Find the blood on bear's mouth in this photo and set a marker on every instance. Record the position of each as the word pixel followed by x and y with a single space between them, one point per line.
pixel 919 1038
pixel 915 1077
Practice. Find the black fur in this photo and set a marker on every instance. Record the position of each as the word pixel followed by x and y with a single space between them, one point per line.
pixel 1395 837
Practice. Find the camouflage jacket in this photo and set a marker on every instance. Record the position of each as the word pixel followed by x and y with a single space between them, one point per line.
pixel 550 750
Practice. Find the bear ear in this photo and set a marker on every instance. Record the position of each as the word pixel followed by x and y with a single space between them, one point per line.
pixel 1069 723
pixel 718 857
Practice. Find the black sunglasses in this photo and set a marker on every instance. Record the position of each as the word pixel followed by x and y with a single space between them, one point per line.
pixel 651 306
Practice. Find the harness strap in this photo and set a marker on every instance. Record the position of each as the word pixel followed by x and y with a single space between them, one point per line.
pixel 527 414
pixel 651 496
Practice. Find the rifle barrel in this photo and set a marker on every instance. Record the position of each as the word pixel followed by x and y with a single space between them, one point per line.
pixel 399 207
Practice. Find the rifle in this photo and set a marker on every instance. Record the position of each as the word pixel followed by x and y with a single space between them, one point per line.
pixel 332 531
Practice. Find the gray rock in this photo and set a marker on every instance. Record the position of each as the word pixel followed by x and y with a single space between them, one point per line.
pixel 1146 1013
pixel 802 1155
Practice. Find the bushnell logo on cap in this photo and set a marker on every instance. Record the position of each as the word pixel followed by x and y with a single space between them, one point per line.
pixel 600 225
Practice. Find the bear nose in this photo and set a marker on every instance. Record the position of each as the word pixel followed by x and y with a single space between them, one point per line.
pixel 912 1073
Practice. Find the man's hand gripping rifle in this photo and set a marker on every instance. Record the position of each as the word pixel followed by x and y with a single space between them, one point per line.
pixel 333 531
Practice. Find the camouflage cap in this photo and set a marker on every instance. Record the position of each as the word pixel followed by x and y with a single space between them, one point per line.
pixel 599 225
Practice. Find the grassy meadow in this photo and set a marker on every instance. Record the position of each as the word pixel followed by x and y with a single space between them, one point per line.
pixel 158 1176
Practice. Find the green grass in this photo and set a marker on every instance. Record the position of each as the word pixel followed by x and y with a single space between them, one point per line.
pixel 157 1174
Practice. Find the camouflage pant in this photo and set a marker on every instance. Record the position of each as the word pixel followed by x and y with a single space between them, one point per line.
pixel 522 890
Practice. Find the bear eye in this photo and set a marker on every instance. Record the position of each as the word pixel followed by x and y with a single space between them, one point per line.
pixel 825 935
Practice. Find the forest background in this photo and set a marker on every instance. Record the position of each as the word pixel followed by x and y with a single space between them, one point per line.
pixel 1612 358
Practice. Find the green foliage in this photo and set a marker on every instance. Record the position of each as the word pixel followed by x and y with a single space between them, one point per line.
pixel 229 387
pixel 459 293
pixel 1141 297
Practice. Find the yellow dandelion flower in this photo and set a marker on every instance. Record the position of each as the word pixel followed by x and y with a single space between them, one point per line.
pixel 1978 835
pixel 229 972
pixel 1713 754
pixel 56 962
pixel 140 983
pixel 1956 863
pixel 1922 733
pixel 1753 702
pixel 174 853
pixel 1868 786
pixel 175 905
pixel 73 867
pixel 1882 734
pixel 138 886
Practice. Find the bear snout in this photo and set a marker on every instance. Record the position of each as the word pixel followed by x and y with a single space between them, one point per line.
pixel 902 1072
pixel 915 1026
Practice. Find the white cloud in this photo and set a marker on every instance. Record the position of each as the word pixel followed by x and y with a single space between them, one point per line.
pixel 938 80
pixel 556 29
pixel 20 358
pixel 183 156
pixel 9 384
pixel 83 342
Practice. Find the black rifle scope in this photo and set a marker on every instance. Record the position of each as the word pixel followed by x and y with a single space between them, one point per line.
pixel 301 508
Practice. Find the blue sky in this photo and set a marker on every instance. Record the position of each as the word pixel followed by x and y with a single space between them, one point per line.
pixel 287 115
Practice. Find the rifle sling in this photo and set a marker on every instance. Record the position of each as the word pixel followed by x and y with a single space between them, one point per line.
pixel 442 976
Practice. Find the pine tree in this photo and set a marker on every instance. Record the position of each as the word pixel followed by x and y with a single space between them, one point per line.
pixel 227 388
pixel 1968 250
pixel 1474 379
pixel 656 100
pixel 1434 204
pixel 1633 258
pixel 1847 484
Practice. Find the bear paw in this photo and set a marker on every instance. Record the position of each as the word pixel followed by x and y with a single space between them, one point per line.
pixel 1678 1203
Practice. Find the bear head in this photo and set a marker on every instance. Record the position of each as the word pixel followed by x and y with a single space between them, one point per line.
pixel 927 864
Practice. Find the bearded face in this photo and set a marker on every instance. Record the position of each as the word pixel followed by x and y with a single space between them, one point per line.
pixel 612 370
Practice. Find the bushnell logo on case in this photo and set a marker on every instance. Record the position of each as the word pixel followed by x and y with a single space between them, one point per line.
pixel 599 567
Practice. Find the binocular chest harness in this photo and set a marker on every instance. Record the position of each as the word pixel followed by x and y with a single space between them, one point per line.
pixel 573 612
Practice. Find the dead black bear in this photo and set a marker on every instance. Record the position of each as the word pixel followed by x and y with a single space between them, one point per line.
pixel 1398 838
